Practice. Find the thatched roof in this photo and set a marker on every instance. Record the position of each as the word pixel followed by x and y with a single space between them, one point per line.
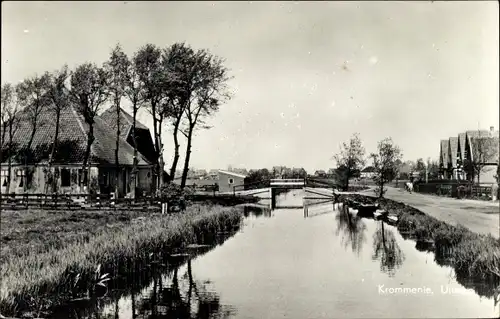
pixel 72 140
pixel 453 150
pixel 444 152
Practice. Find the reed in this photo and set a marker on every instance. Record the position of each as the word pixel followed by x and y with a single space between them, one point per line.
pixel 29 281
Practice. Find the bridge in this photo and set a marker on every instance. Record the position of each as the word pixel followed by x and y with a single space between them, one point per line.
pixel 314 188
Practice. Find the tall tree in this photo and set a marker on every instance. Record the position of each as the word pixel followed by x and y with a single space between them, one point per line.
pixel 207 90
pixel 385 164
pixel 117 69
pixel 350 160
pixel 147 62
pixel 176 60
pixel 134 92
pixel 10 123
pixel 89 92
pixel 33 95
pixel 483 151
pixel 58 96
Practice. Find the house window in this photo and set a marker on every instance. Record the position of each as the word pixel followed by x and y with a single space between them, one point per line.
pixel 230 181
pixel 65 177
pixel 20 175
pixel 4 177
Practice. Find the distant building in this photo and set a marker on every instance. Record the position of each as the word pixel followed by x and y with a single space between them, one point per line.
pixel 227 180
pixel 213 174
pixel 368 172
pixel 320 173
pixel 455 154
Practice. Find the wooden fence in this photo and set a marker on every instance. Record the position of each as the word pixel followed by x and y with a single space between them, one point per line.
pixel 76 202
pixel 456 189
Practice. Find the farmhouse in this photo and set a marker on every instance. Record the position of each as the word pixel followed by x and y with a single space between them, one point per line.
pixel 368 172
pixel 65 174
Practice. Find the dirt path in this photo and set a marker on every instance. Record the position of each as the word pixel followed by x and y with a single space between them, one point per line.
pixel 479 216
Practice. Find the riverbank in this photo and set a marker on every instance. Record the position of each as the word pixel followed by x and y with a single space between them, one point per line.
pixel 43 252
pixel 472 255
pixel 479 216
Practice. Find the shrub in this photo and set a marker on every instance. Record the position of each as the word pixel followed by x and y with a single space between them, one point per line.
pixel 175 196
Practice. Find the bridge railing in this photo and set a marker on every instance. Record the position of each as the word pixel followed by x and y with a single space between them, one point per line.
pixel 250 186
pixel 286 180
pixel 284 183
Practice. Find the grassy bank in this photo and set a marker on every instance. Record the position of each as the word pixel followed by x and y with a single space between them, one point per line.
pixel 473 256
pixel 43 252
pixel 223 200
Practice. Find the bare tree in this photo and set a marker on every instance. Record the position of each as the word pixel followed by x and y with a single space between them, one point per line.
pixel 58 96
pixel 134 92
pixel 117 68
pixel 147 62
pixel 89 92
pixel 33 96
pixel 350 160
pixel 385 164
pixel 484 151
pixel 10 124
pixel 207 90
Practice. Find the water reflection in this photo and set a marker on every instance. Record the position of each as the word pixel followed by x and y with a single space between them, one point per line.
pixel 256 210
pixel 352 230
pixel 151 288
pixel 178 296
pixel 387 250
pixel 318 207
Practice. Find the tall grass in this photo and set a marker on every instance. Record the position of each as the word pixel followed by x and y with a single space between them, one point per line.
pixel 31 279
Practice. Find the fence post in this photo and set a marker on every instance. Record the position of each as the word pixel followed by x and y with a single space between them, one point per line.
pixel 234 191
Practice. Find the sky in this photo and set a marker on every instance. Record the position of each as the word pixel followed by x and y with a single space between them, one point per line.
pixel 307 75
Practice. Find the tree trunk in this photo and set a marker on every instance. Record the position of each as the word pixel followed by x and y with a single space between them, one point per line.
pixel 132 299
pixel 117 164
pixel 188 156
pixel 173 168
pixel 9 162
pixel 381 194
pixel 90 140
pixel 54 148
pixel 155 134
pixel 160 153
pixel 134 166
pixel 28 157
pixel 347 180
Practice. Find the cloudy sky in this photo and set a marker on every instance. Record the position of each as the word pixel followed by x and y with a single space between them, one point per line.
pixel 307 75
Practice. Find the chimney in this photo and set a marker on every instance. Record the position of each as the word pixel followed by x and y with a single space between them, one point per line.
pixel 492 130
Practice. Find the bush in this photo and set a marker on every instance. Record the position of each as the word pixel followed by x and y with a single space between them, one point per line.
pixel 175 196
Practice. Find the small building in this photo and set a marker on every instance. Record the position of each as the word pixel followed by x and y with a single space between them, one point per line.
pixel 368 172
pixel 320 173
pixel 227 180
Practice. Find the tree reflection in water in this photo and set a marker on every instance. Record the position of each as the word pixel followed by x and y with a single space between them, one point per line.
pixel 175 301
pixel 387 250
pixel 352 230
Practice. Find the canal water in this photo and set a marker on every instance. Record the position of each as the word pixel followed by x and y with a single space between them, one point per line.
pixel 288 264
